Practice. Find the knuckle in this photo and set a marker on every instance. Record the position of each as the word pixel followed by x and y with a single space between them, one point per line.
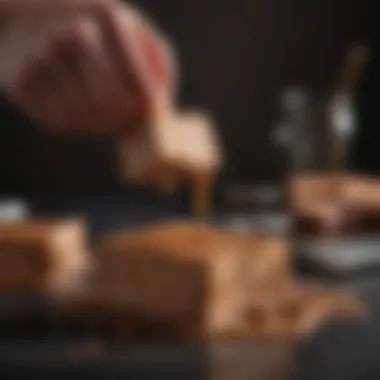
pixel 56 47
pixel 134 13
pixel 83 32
pixel 29 74
pixel 78 35
pixel 106 13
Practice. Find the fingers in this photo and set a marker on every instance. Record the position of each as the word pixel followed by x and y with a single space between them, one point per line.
pixel 95 73
pixel 131 45
pixel 160 62
pixel 118 33
pixel 110 98
pixel 33 92
pixel 49 88
pixel 95 83
pixel 139 58
pixel 68 79
pixel 54 88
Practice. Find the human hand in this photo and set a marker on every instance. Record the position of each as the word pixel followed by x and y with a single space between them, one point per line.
pixel 94 71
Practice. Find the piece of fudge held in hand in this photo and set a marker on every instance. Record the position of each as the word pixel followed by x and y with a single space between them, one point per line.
pixel 174 147
pixel 42 255
pixel 187 279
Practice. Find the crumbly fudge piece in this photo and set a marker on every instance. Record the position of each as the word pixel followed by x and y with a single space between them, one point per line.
pixel 313 195
pixel 42 255
pixel 335 202
pixel 317 205
pixel 362 194
pixel 270 262
pixel 354 192
pixel 298 309
pixel 182 276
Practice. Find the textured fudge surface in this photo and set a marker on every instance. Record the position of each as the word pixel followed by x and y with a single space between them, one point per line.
pixel 42 254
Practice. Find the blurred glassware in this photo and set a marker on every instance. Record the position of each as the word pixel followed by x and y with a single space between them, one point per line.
pixel 250 197
pixel 341 113
pixel 13 209
pixel 258 208
pixel 295 133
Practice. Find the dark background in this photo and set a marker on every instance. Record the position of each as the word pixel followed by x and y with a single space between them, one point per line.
pixel 235 57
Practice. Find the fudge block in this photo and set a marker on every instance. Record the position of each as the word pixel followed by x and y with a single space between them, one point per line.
pixel 188 277
pixel 333 202
pixel 171 146
pixel 359 192
pixel 174 148
pixel 362 195
pixel 181 279
pixel 298 309
pixel 42 255
pixel 314 195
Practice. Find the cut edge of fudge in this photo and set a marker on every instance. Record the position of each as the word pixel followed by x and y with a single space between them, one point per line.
pixel 351 190
pixel 271 259
pixel 164 150
pixel 298 310
pixel 72 261
pixel 158 237
pixel 362 194
pixel 56 250
pixel 196 129
pixel 197 269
